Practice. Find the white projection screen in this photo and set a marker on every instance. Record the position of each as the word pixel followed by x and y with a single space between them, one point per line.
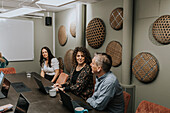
pixel 17 39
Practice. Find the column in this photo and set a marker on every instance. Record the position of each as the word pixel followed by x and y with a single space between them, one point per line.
pixel 80 24
pixel 127 40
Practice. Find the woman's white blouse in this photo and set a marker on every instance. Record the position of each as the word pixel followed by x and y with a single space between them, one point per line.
pixel 51 70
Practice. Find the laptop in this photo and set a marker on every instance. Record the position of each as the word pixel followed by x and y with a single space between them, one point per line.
pixel 41 86
pixel 1 77
pixel 22 105
pixel 72 104
pixel 5 89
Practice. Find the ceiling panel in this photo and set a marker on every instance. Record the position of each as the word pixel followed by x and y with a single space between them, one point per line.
pixel 11 4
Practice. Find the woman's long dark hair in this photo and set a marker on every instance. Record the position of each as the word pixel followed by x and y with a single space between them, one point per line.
pixel 86 54
pixel 50 56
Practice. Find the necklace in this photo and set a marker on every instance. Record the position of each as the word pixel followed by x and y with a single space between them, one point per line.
pixel 79 67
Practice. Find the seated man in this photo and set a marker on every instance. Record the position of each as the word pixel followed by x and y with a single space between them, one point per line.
pixel 108 94
pixel 3 61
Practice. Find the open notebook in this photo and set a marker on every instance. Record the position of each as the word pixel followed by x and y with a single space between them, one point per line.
pixel 21 107
pixel 20 87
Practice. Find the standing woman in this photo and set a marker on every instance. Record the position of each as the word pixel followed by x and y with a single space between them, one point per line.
pixel 49 65
pixel 80 81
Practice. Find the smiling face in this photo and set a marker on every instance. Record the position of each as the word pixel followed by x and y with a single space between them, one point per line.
pixel 80 58
pixel 45 53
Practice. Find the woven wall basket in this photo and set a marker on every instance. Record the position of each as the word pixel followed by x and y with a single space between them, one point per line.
pixel 116 19
pixel 161 29
pixel 68 60
pixel 114 49
pixel 95 33
pixel 73 29
pixel 145 67
pixel 62 35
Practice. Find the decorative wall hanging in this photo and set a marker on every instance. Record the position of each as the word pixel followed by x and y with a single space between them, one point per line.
pixel 145 67
pixel 161 29
pixel 68 60
pixel 153 40
pixel 95 33
pixel 114 49
pixel 73 29
pixel 61 64
pixel 116 19
pixel 62 35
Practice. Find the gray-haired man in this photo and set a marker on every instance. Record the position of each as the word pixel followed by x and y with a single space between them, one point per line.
pixel 108 94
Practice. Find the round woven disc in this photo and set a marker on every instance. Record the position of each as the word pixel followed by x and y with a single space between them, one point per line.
pixel 116 19
pixel 95 33
pixel 161 29
pixel 73 29
pixel 114 49
pixel 68 60
pixel 61 64
pixel 62 36
pixel 145 67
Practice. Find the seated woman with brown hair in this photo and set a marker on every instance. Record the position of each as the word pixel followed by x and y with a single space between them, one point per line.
pixel 80 81
pixel 49 65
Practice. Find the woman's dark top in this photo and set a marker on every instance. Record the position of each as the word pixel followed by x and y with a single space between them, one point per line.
pixel 83 85
pixel 75 75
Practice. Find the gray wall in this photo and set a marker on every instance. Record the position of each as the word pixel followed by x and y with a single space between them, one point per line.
pixel 93 11
pixel 42 37
pixel 65 18
pixel 146 12
pixel 103 10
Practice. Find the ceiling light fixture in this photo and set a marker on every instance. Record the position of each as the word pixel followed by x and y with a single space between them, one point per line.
pixel 19 12
pixel 55 2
